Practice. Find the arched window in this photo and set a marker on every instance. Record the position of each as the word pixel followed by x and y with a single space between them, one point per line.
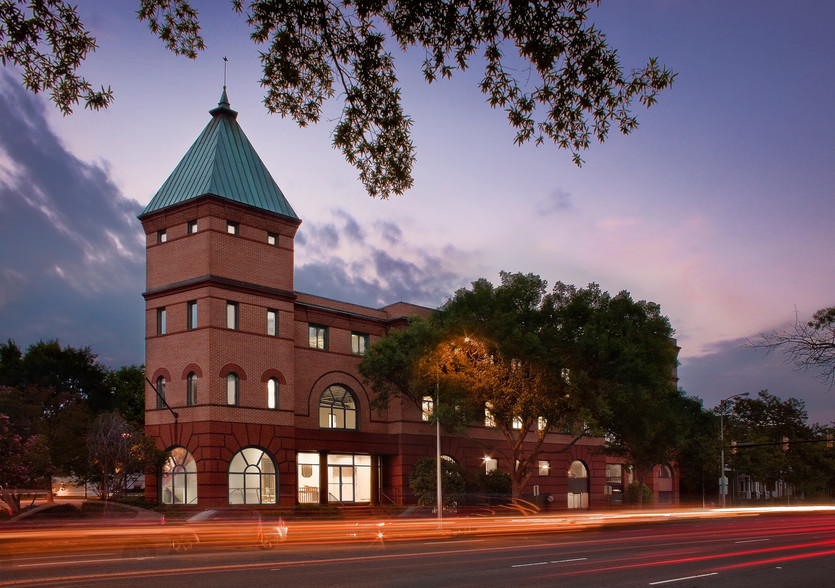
pixel 232 385
pixel 337 409
pixel 272 393
pixel 252 477
pixel 161 392
pixel 191 389
pixel 178 479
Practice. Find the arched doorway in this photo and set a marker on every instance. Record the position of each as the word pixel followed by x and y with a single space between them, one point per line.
pixel 578 485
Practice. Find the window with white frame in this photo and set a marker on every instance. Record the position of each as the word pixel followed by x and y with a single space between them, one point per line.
pixel 178 479
pixel 162 321
pixel 490 464
pixel 232 227
pixel 192 227
pixel 191 318
pixel 544 467
pixel 191 389
pixel 272 322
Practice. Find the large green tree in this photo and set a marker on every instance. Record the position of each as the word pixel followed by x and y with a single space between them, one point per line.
pixel 544 64
pixel 570 360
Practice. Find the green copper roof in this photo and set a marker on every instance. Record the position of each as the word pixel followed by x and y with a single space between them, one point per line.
pixel 222 162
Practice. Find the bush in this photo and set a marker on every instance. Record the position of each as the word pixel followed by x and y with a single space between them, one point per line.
pixel 633 494
pixel 424 483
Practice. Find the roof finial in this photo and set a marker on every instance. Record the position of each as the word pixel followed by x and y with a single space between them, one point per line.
pixel 225 61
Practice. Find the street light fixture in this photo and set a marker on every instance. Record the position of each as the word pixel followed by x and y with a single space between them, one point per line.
pixel 723 479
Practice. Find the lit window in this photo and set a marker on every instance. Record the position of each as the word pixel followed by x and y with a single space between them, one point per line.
pixel 428 408
pixel 337 409
pixel 191 389
pixel 272 322
pixel 192 227
pixel 231 315
pixel 490 464
pixel 178 481
pixel 614 472
pixel 161 392
pixel 489 419
pixel 162 236
pixel 231 228
pixel 232 384
pixel 272 239
pixel 272 393
pixel 252 477
pixel 541 423
pixel 162 321
pixel 517 422
pixel 544 468
pixel 359 343
pixel 191 319
pixel 317 336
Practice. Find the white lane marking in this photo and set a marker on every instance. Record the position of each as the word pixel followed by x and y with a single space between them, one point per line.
pixel 543 563
pixel 682 579
pixel 752 541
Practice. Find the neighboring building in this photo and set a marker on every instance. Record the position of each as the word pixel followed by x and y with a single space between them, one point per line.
pixel 253 387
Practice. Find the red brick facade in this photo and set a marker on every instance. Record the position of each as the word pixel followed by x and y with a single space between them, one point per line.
pixel 207 267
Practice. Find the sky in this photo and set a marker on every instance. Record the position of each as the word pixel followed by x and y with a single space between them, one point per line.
pixel 718 207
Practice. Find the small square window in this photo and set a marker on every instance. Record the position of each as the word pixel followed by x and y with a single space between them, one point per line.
pixel 192 227
pixel 162 320
pixel 272 238
pixel 317 337
pixel 162 236
pixel 191 319
pixel 490 464
pixel 517 423
pixel 272 322
pixel 359 343
pixel 231 315
pixel 232 227
pixel 544 468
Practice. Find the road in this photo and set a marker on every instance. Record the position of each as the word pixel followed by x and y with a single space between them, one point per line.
pixel 749 549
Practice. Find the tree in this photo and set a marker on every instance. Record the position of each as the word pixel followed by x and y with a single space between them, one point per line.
pixel 423 482
pixel 807 345
pixel 127 389
pixel 24 465
pixel 576 360
pixel 621 357
pixel 118 453
pixel 571 88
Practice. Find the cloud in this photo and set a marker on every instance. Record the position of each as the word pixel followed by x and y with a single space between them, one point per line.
pixel 730 368
pixel 72 255
pixel 558 200
pixel 374 268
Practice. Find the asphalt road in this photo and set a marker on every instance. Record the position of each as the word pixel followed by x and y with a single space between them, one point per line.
pixel 762 550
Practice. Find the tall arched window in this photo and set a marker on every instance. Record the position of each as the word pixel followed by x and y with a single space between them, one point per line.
pixel 191 389
pixel 578 485
pixel 161 392
pixel 252 477
pixel 232 385
pixel 272 393
pixel 337 409
pixel 178 479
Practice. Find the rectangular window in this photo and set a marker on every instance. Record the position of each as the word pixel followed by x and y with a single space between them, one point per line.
pixel 614 472
pixel 192 227
pixel 272 322
pixel 517 423
pixel 359 343
pixel 317 337
pixel 272 239
pixel 428 407
pixel 162 320
pixel 162 236
pixel 232 227
pixel 231 315
pixel 191 319
pixel 490 464
pixel 544 468
pixel 489 419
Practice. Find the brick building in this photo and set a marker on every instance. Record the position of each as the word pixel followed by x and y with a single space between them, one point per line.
pixel 253 388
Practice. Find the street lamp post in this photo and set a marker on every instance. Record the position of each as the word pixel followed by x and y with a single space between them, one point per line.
pixel 438 478
pixel 723 479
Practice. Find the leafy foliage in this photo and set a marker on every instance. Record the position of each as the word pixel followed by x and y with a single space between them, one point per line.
pixel 48 41
pixel 423 481
pixel 572 88
pixel 24 464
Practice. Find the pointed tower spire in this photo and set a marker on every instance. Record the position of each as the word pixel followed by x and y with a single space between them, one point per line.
pixel 223 107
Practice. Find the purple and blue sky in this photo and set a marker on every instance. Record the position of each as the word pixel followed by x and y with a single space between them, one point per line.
pixel 719 207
